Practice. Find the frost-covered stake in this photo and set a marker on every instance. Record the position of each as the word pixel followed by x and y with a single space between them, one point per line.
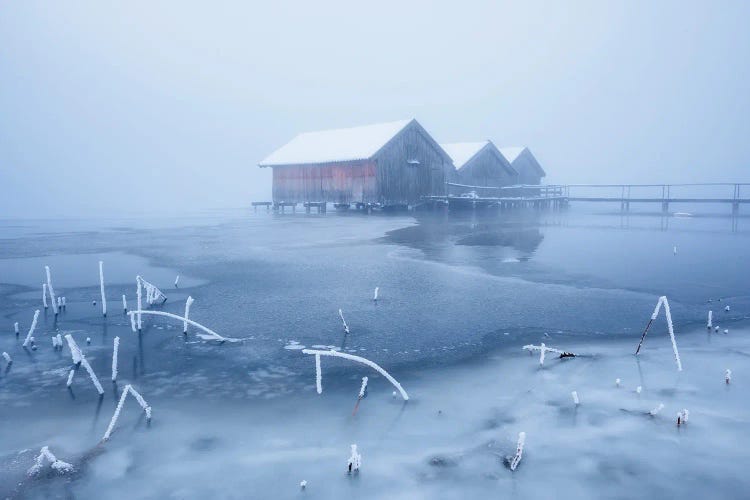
pixel 656 410
pixel 124 304
pixel 375 296
pixel 188 302
pixel 176 280
pixel 638 389
pixel 362 394
pixel 709 324
pixel 138 295
pixel 682 416
pixel 303 484
pixel 71 374
pixel 617 382
pixel 674 250
pixel 114 358
pixel 667 313
pixel 79 358
pixel 319 376
pixel 212 335
pixel 127 390
pixel 575 398
pixel 355 460
pixel 728 376
pixel 59 303
pixel 346 327
pixel 50 289
pixel 29 337
pixel 7 357
pixel 64 305
pixel 88 340
pixel 516 459
pixel 57 465
pixel 543 349
pixel 44 295
pixel 15 328
pixel 101 288
pixel 357 359
pixel 59 341
pixel 726 309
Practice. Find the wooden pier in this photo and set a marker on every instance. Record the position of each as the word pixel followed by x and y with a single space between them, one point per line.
pixel 663 194
pixel 559 196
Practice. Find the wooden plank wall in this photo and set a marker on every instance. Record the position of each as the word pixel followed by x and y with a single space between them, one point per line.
pixel 486 169
pixel 342 182
pixel 402 183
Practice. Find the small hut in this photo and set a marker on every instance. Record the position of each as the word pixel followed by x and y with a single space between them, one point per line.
pixel 481 164
pixel 528 168
pixel 390 164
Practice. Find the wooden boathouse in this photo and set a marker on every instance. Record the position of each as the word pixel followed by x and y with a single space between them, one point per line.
pixel 394 164
pixel 529 170
pixel 480 164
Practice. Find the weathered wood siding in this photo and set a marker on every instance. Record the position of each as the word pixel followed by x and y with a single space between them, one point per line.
pixel 403 183
pixel 486 169
pixel 344 182
pixel 526 167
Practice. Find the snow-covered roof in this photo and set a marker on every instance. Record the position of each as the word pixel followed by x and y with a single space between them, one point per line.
pixel 326 146
pixel 511 153
pixel 462 152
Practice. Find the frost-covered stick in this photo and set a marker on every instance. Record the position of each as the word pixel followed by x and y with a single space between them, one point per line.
pixel 645 330
pixel 541 354
pixel 364 361
pixel 75 352
pixel 71 374
pixel 656 410
pixel 355 460
pixel 671 333
pixel 124 303
pixel 360 395
pixel 375 297
pixel 59 341
pixel 15 327
pixel 710 320
pixel 31 330
pixel 44 295
pixel 132 322
pixel 50 289
pixel 682 416
pixel 59 302
pixel 212 333
pixel 176 280
pixel 575 398
pixel 728 376
pixel 114 358
pixel 101 288
pixel 318 375
pixel 64 305
pixel 617 382
pixel 138 294
pixel 188 302
pixel 58 465
pixel 7 357
pixel 141 401
pixel 94 379
pixel 519 451
pixel 346 327
pixel 116 414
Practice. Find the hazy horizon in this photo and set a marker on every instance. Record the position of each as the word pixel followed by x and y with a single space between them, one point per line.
pixel 113 108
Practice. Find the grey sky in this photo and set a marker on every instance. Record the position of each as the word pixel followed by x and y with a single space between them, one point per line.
pixel 111 107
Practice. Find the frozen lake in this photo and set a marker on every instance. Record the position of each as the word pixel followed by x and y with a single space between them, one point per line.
pixel 459 296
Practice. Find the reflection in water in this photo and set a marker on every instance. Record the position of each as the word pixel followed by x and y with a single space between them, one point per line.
pixel 519 234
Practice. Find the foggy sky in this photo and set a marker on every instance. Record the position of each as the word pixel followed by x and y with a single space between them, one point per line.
pixel 111 108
